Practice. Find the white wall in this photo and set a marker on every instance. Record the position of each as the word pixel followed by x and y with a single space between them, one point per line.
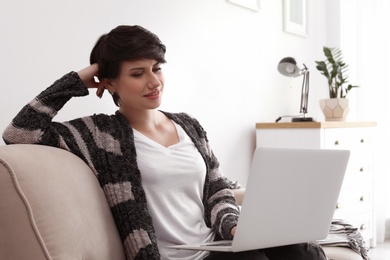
pixel 221 61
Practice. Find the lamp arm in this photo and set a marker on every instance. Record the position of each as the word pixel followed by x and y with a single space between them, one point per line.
pixel 305 92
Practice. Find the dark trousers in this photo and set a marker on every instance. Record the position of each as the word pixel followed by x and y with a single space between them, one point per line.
pixel 304 251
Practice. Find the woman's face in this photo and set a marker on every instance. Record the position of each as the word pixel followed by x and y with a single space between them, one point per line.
pixel 139 85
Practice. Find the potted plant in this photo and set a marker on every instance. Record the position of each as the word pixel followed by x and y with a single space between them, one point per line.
pixel 336 107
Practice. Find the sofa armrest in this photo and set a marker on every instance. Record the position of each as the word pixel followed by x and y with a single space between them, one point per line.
pixel 52 207
pixel 341 253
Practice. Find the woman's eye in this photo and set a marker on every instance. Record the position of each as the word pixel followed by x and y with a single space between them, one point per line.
pixel 137 75
pixel 157 69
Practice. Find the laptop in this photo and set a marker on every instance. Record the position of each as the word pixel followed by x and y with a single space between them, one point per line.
pixel 290 198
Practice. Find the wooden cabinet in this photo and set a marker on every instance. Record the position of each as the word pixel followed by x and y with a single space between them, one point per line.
pixel 356 200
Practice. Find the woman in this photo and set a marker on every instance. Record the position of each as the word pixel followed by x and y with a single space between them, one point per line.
pixel 160 177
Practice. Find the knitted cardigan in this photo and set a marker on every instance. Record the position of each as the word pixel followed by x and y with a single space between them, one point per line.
pixel 106 144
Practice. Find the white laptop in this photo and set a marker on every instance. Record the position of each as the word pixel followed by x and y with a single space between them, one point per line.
pixel 290 198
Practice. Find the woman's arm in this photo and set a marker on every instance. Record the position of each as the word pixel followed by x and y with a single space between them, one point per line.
pixel 221 209
pixel 33 124
pixel 221 204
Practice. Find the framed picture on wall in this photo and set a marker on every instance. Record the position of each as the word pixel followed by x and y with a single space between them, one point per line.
pixel 295 17
pixel 250 4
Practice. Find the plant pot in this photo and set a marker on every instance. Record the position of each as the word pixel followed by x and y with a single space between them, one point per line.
pixel 335 109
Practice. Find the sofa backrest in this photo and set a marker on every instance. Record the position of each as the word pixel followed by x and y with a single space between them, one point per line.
pixel 52 207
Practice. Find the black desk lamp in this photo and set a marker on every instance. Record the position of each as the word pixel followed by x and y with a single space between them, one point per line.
pixel 288 67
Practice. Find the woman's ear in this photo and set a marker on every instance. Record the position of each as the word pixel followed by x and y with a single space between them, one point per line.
pixel 108 84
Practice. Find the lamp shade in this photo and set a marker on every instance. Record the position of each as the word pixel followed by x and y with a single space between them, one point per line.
pixel 288 67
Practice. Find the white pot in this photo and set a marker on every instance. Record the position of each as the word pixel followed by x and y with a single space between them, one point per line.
pixel 335 109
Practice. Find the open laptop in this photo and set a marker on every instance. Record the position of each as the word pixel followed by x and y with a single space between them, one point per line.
pixel 290 198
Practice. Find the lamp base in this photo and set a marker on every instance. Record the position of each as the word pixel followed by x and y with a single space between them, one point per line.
pixel 302 119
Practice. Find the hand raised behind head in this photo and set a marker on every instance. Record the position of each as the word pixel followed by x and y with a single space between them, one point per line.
pixel 87 77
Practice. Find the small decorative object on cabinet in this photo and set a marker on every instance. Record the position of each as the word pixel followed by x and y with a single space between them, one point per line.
pixel 355 204
pixel 336 107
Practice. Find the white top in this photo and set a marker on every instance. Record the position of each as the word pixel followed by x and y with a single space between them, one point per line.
pixel 173 178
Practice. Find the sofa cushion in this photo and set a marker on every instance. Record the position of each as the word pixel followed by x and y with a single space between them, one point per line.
pixel 52 207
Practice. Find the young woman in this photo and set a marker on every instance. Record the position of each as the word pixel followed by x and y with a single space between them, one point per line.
pixel 160 177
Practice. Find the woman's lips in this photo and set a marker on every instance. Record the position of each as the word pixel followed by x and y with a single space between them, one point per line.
pixel 153 95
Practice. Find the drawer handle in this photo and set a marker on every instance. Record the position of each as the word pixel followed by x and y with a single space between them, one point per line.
pixel 363 227
pixel 362 169
pixel 362 199
pixel 336 142
pixel 338 205
pixel 362 141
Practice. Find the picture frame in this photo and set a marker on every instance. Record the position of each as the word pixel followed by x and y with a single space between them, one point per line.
pixel 295 17
pixel 253 5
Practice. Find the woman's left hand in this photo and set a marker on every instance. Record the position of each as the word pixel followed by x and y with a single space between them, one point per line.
pixel 233 231
pixel 87 76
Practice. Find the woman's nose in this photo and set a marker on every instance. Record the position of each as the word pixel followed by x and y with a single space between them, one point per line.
pixel 154 81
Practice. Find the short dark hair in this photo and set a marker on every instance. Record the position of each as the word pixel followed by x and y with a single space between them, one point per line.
pixel 125 43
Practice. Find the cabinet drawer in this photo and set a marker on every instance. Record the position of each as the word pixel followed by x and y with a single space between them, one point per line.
pixel 353 202
pixel 358 173
pixel 350 139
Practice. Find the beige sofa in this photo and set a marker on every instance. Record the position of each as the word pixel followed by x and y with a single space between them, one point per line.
pixel 52 207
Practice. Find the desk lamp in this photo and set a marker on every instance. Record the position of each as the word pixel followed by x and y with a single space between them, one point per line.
pixel 288 67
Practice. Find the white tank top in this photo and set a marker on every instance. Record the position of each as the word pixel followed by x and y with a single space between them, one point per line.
pixel 173 178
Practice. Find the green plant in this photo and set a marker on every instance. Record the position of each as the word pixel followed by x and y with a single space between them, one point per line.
pixel 335 70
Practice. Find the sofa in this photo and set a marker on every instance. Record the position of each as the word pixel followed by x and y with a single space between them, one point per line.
pixel 52 207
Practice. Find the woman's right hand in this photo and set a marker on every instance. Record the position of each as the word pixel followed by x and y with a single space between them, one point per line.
pixel 87 76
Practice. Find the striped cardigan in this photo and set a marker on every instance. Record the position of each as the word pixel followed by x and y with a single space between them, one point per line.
pixel 106 144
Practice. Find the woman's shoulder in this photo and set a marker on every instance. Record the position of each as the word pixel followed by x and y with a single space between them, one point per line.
pixel 99 121
pixel 189 123
pixel 109 120
pixel 181 116
pixel 105 126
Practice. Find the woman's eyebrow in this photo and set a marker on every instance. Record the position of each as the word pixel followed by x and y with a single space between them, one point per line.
pixel 137 68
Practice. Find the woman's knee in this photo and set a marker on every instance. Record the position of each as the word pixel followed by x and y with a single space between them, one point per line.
pixel 247 255
pixel 303 251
